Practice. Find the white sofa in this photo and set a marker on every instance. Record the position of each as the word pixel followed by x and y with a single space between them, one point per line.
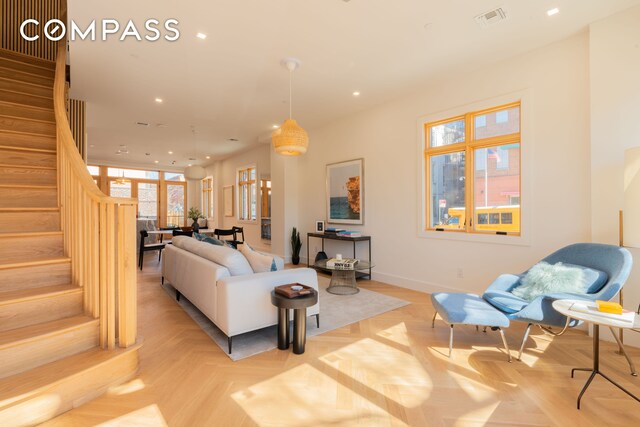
pixel 220 282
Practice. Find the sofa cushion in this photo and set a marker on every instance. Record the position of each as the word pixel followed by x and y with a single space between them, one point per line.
pixel 260 263
pixel 505 301
pixel 233 260
pixel 544 278
pixel 467 309
pixel 593 279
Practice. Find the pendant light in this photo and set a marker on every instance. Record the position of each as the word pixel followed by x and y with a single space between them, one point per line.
pixel 290 139
pixel 121 180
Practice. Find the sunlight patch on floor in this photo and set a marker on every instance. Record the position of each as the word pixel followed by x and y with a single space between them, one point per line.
pixel 393 371
pixel 475 390
pixel 126 388
pixel 149 416
pixel 397 334
pixel 534 349
pixel 478 416
pixel 304 396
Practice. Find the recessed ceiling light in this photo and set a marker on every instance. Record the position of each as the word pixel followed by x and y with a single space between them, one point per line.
pixel 208 157
pixel 91 146
pixel 189 165
pixel 159 100
pixel 156 161
pixel 275 126
pixel 201 36
pixel 553 11
pixel 356 93
pixel 232 140
pixel 170 152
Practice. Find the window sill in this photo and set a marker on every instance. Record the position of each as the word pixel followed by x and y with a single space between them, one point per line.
pixel 521 240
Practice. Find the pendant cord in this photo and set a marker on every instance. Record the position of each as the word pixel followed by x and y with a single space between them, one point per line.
pixel 290 97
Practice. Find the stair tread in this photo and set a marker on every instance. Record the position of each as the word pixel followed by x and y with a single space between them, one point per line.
pixel 29 209
pixel 34 150
pixel 21 58
pixel 9 79
pixel 15 388
pixel 27 333
pixel 31 107
pixel 11 297
pixel 31 234
pixel 31 263
pixel 50 187
pixel 9 116
pixel 46 97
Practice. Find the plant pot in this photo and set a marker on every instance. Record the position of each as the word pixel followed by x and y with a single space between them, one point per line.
pixel 195 226
pixel 295 259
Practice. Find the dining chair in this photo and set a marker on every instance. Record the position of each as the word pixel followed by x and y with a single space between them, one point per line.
pixel 238 230
pixel 177 232
pixel 219 232
pixel 146 247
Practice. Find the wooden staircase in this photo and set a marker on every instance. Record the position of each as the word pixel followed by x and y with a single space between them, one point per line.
pixel 50 354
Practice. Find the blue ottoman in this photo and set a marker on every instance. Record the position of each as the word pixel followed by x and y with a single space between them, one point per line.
pixel 468 309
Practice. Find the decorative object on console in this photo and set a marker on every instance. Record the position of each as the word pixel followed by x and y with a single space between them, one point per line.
pixel 349 233
pixel 290 139
pixel 296 244
pixel 345 192
pixel 340 263
pixel 194 215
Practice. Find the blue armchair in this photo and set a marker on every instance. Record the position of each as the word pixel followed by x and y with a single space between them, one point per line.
pixel 610 267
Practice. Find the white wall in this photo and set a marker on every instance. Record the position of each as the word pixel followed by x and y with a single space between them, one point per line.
pixel 615 126
pixel 224 174
pixel 387 137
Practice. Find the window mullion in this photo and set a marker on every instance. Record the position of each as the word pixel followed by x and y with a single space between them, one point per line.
pixel 468 173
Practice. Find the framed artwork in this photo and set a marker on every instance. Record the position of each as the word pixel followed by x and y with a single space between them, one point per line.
pixel 227 194
pixel 319 226
pixel 345 192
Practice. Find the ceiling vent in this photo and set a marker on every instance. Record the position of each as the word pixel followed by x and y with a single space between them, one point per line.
pixel 142 124
pixel 491 18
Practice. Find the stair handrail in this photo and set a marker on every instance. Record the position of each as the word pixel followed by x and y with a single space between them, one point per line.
pixel 99 231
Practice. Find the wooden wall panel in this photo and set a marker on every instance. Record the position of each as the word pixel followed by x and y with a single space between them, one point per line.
pixel 14 12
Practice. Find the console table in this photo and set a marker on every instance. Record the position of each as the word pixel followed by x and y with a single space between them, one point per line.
pixel 354 240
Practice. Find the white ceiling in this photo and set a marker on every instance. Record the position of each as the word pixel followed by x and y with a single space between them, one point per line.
pixel 232 85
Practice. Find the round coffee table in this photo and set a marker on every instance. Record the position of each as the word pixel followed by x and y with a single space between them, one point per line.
pixel 299 306
pixel 343 282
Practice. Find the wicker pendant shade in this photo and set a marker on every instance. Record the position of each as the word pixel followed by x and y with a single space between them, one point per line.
pixel 290 139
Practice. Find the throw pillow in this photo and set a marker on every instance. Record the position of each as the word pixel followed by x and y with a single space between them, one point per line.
pixel 207 239
pixel 260 263
pixel 544 278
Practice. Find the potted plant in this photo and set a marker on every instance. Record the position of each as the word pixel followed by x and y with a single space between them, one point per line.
pixel 194 214
pixel 295 246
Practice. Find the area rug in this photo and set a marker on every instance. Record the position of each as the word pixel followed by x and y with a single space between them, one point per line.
pixel 336 311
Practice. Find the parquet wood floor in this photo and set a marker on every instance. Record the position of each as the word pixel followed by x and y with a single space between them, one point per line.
pixel 390 370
